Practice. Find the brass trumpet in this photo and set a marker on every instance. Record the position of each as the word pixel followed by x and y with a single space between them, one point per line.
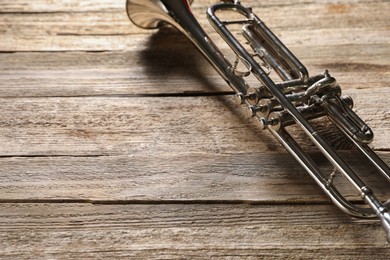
pixel 296 99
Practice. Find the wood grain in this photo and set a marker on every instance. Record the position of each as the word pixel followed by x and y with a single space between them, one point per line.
pixel 119 142
pixel 357 23
pixel 155 70
pixel 171 177
pixel 115 125
pixel 177 231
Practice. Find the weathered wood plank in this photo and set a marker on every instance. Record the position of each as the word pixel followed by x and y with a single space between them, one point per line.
pixel 19 6
pixel 177 231
pixel 44 6
pixel 112 73
pixel 112 126
pixel 152 176
pixel 309 37
pixel 370 16
pixel 360 23
pixel 157 69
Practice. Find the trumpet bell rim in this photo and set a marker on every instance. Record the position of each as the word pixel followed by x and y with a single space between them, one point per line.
pixel 149 14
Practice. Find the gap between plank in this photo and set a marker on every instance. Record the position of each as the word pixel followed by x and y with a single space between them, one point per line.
pixel 145 95
pixel 165 202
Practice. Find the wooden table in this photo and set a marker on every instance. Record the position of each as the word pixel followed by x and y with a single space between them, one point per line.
pixel 119 142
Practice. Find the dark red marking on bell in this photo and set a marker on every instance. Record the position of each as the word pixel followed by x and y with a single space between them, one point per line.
pixel 187 5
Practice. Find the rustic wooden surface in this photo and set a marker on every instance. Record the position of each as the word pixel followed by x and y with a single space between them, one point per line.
pixel 120 142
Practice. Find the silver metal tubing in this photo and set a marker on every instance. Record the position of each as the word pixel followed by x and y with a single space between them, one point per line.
pixel 297 99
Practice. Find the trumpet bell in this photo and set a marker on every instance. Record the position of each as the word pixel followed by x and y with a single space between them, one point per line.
pixel 152 14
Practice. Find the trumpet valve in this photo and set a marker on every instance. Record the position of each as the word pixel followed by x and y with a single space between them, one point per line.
pixel 263 123
pixel 240 98
pixel 254 109
pixel 253 95
pixel 347 100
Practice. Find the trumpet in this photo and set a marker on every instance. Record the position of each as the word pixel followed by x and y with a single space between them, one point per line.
pixel 295 99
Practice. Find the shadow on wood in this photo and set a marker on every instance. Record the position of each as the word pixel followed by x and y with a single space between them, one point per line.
pixel 171 54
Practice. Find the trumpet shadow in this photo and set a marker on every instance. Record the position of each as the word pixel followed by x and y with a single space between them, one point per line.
pixel 170 54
